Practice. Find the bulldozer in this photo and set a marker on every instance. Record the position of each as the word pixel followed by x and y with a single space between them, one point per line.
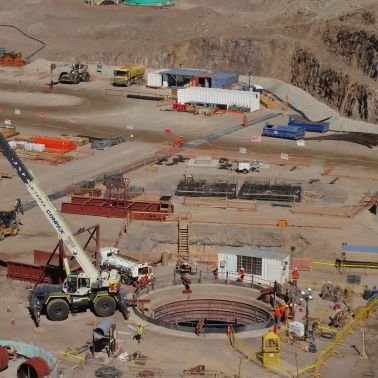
pixel 9 220
pixel 79 72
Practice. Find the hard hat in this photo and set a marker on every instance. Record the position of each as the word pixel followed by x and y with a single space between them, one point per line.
pixel 287 306
pixel 241 268
pixel 295 268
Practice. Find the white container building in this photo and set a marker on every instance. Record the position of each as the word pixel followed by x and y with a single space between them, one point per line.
pixel 154 79
pixel 260 264
pixel 228 98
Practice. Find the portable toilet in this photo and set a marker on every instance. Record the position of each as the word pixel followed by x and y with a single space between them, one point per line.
pixel 270 349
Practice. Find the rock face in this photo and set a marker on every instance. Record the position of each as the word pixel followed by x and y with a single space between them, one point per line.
pixel 336 88
pixel 357 48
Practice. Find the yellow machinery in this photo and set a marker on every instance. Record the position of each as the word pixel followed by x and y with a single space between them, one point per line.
pixel 8 223
pixel 270 349
pixel 125 76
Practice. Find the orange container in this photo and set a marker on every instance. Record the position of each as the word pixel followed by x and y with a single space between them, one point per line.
pixel 55 143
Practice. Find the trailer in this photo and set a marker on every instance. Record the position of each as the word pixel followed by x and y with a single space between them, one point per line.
pixel 317 127
pixel 283 131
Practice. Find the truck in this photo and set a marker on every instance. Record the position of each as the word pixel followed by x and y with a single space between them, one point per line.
pixel 132 271
pixel 283 131
pixel 93 289
pixel 241 166
pixel 79 72
pixel 318 127
pixel 125 76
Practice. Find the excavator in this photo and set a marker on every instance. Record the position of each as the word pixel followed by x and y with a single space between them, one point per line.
pixel 98 291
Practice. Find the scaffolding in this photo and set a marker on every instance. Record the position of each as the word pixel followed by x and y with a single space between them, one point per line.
pixel 191 187
pixel 270 191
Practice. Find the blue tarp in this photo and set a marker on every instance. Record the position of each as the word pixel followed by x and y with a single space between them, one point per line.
pixel 359 248
pixel 223 79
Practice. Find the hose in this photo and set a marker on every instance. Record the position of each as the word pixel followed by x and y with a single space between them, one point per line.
pixel 28 36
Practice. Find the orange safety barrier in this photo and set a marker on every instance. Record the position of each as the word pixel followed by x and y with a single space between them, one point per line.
pixel 56 144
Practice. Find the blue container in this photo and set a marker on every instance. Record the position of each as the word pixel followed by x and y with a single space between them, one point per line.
pixel 317 127
pixel 223 79
pixel 283 131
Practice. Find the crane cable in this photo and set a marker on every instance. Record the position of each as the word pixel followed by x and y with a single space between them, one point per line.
pixel 28 36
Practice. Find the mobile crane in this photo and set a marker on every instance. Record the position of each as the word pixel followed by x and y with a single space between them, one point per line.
pixel 90 289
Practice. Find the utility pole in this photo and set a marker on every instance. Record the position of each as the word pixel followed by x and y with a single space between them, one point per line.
pixel 250 73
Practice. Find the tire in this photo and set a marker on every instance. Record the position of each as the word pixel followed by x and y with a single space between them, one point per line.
pixel 61 76
pixel 76 79
pixel 14 231
pixel 104 306
pixel 57 310
pixel 2 236
pixel 245 171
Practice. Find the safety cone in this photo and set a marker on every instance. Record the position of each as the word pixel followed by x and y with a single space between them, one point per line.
pixel 228 333
pixel 12 321
pixel 245 120
pixel 8 309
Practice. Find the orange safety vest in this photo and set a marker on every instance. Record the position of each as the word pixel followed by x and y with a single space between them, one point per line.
pixel 295 275
pixel 277 312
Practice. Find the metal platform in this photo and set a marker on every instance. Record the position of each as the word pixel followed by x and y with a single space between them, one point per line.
pixel 138 210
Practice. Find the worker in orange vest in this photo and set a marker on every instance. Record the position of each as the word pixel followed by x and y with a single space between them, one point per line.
pixel 295 276
pixel 277 314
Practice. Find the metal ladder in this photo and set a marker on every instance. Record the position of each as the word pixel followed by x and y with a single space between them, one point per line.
pixel 183 239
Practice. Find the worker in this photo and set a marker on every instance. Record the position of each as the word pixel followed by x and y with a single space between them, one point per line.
pixel 138 335
pixel 241 274
pixel 295 276
pixel 286 313
pixel 182 140
pixel 277 314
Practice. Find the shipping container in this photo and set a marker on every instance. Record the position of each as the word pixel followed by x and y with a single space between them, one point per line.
pixel 283 131
pixel 222 98
pixel 154 80
pixel 318 127
pixel 263 264
pixel 223 79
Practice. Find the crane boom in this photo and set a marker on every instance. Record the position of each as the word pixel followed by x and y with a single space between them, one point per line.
pixel 48 209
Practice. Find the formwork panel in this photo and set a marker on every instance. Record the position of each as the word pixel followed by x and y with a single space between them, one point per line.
pixel 206 188
pixel 268 191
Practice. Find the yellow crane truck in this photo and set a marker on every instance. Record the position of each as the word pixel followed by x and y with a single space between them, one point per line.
pixel 125 76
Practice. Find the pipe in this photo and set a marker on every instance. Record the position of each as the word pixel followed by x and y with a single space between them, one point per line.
pixel 102 329
pixel 35 367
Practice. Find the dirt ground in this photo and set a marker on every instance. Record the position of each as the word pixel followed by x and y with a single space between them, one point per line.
pixel 315 235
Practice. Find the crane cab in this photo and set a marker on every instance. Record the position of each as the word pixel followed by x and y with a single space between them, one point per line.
pixel 77 284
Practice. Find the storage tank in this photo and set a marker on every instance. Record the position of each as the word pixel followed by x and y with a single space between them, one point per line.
pixel 150 3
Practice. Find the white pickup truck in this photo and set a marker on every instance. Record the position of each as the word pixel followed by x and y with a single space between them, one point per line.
pixel 132 271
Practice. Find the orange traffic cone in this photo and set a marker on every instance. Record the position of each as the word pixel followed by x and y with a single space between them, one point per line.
pixel 245 120
pixel 228 333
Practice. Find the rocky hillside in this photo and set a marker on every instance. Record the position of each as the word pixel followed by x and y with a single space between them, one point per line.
pixel 327 47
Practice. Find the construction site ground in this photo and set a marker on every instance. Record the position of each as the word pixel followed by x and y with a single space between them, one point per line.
pixel 339 177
